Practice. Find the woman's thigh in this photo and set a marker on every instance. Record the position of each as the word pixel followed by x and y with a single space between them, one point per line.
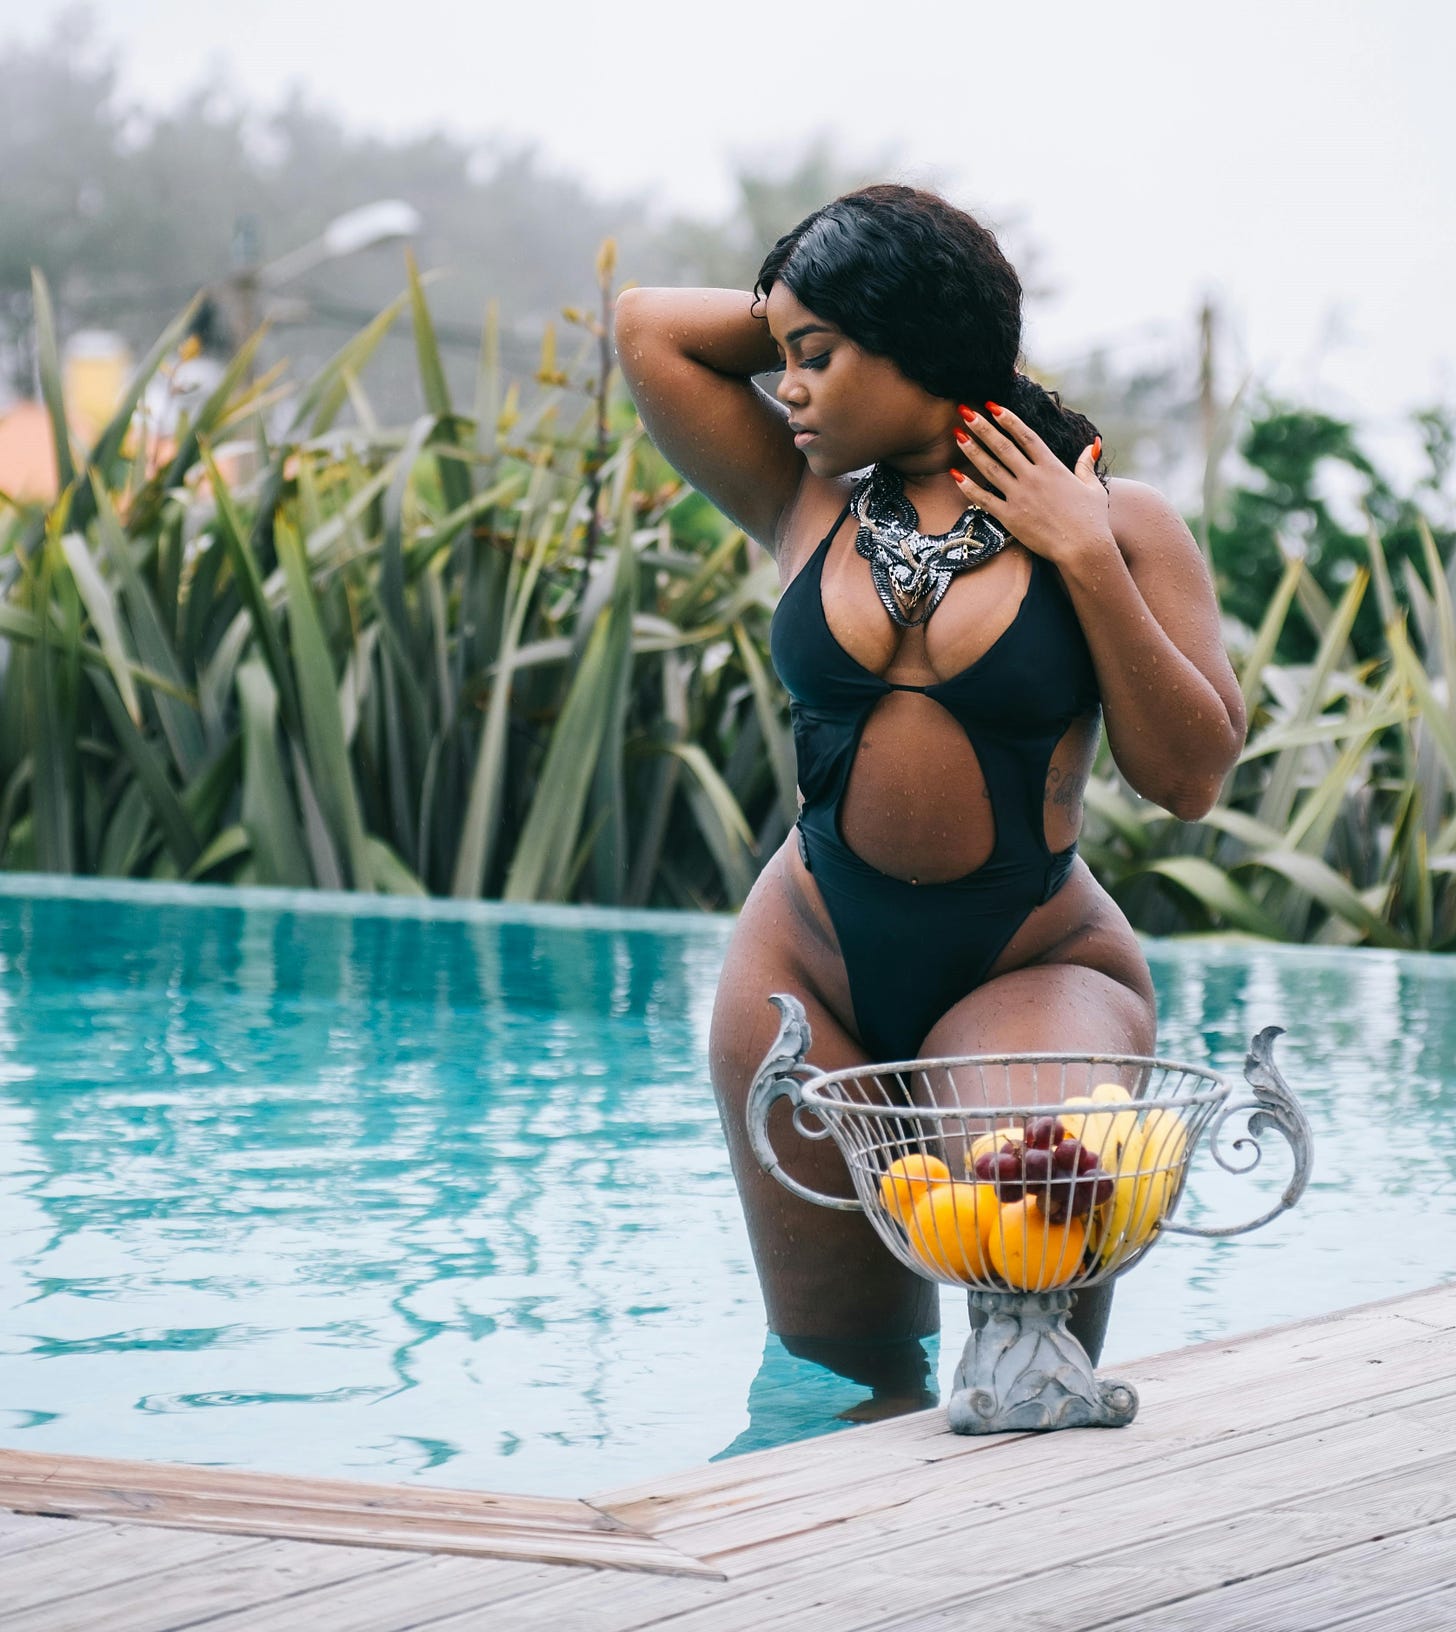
pixel 825 1273
pixel 1048 1007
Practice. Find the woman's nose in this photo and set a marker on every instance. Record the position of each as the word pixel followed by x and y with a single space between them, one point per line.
pixel 791 389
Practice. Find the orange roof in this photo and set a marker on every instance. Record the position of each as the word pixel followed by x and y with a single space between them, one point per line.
pixel 27 454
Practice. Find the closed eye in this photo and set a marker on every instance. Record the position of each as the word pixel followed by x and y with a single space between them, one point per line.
pixel 819 360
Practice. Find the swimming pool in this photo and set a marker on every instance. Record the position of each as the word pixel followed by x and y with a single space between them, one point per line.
pixel 386 1189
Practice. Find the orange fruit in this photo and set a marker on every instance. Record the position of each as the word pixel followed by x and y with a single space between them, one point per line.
pixel 907 1179
pixel 1029 1252
pixel 948 1230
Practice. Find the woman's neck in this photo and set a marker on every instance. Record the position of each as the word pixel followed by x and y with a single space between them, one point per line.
pixel 937 500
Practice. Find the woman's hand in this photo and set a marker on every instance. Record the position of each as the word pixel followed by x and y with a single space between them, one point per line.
pixel 1055 512
pixel 1142 594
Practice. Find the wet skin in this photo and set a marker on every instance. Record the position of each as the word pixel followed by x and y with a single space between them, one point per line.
pixel 1072 977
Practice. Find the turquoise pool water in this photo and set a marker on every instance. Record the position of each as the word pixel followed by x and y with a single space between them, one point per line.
pixel 394 1190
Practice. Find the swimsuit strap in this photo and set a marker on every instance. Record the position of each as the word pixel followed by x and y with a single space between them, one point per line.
pixel 830 536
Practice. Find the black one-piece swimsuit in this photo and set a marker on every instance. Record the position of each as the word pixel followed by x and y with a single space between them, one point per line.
pixel 913 950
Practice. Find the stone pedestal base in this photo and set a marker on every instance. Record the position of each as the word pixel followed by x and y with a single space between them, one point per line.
pixel 1023 1370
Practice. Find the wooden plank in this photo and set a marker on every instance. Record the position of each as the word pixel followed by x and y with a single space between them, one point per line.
pixel 105 1556
pixel 420 1592
pixel 1156 1553
pixel 1435 1307
pixel 417 1518
pixel 20 1531
pixel 1118 1558
pixel 944 1523
pixel 1134 1588
pixel 181 1479
pixel 1326 1591
pixel 591 1603
pixel 1422 1611
pixel 1034 1481
pixel 1320 1474
pixel 1007 1468
pixel 867 1454
pixel 192 1591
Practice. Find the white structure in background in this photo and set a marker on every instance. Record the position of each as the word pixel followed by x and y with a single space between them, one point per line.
pixel 182 389
pixel 178 390
pixel 252 290
pixel 383 222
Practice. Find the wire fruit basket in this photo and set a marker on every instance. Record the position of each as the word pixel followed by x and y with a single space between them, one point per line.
pixel 1024 1178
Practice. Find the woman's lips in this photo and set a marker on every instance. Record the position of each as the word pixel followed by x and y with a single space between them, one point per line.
pixel 802 437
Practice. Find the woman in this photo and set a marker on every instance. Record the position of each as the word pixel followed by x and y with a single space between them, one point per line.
pixel 951 627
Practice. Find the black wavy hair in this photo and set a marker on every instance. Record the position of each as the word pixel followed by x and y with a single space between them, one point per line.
pixel 912 278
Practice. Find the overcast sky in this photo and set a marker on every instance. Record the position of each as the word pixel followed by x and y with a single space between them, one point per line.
pixel 1295 160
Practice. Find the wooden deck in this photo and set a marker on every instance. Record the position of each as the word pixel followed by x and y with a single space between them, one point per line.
pixel 1298 1479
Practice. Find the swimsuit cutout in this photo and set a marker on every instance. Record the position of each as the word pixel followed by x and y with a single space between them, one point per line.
pixel 912 951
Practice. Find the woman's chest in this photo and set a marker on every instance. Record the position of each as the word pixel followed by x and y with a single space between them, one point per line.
pixel 978 609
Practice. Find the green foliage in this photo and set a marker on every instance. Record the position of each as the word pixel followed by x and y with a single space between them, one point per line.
pixel 1338 825
pixel 477 656
pixel 1294 456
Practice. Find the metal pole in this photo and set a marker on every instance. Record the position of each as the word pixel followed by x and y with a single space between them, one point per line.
pixel 245 283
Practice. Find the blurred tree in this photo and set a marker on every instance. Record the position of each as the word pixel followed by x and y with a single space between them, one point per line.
pixel 726 253
pixel 1145 404
pixel 771 197
pixel 129 215
pixel 65 200
pixel 1303 468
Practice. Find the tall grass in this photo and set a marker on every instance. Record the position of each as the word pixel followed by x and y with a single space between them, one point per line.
pixel 475 656
pixel 1338 825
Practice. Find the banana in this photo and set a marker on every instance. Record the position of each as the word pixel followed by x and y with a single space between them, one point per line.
pixel 984 1142
pixel 1112 1093
pixel 1103 1134
pixel 1152 1164
pixel 1165 1146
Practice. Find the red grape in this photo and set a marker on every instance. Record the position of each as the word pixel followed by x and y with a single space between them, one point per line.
pixel 1067 1156
pixel 1043 1132
pixel 1003 1170
pixel 1037 1164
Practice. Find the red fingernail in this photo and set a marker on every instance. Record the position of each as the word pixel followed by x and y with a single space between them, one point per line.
pixel 960 436
pixel 967 415
pixel 994 409
pixel 1096 449
pixel 954 472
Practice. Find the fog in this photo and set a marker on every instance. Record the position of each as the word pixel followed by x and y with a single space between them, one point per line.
pixel 1293 162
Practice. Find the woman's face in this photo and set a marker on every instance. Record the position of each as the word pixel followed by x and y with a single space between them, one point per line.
pixel 853 408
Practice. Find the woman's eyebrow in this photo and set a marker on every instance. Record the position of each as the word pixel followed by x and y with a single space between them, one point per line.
pixel 806 328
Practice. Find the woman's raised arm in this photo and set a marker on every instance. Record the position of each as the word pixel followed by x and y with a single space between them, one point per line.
pixel 689 357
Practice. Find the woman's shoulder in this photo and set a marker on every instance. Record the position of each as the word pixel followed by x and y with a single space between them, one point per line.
pixel 1144 521
pixel 817 505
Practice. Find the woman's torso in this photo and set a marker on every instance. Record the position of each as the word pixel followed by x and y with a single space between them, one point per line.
pixel 938 751
pixel 916 802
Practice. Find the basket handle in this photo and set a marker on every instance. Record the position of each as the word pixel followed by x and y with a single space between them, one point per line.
pixel 1273 1107
pixel 779 1078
